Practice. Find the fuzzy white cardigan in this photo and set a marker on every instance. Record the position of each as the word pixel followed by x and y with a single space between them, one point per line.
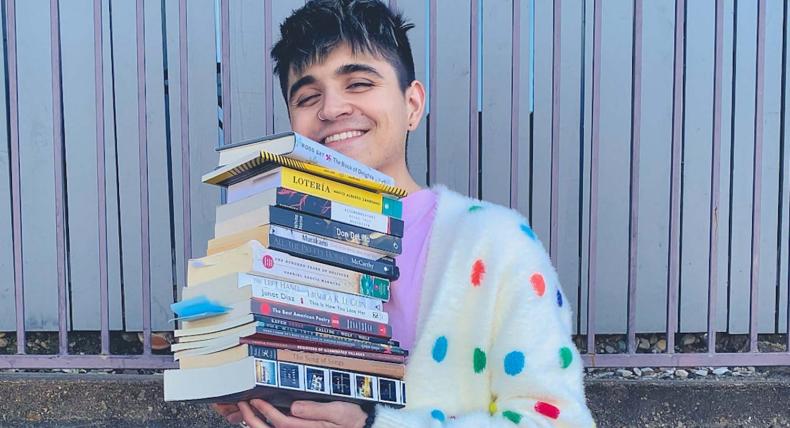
pixel 493 345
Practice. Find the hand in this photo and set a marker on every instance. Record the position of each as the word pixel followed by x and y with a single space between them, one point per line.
pixel 304 414
pixel 230 412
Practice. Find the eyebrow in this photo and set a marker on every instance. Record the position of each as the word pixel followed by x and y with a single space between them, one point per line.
pixel 343 70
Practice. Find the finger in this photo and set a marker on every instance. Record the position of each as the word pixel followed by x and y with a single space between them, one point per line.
pixel 225 409
pixel 316 411
pixel 279 419
pixel 249 416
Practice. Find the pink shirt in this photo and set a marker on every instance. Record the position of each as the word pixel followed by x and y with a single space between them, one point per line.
pixel 419 209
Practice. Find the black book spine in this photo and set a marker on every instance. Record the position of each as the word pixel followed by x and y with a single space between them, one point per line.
pixel 273 331
pixel 321 207
pixel 326 330
pixel 263 352
pixel 335 230
pixel 335 258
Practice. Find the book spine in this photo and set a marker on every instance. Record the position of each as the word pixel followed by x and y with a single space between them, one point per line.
pixel 331 244
pixel 393 370
pixel 337 211
pixel 340 192
pixel 311 316
pixel 335 230
pixel 280 265
pixel 335 258
pixel 292 294
pixel 310 151
pixel 279 332
pixel 327 297
pixel 327 330
pixel 350 353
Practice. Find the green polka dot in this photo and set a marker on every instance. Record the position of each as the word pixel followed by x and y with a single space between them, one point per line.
pixel 474 208
pixel 479 360
pixel 512 416
pixel 566 356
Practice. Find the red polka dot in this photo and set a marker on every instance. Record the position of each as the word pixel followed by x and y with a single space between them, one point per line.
pixel 538 283
pixel 547 410
pixel 478 269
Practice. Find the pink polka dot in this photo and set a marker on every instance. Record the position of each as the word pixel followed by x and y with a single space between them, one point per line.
pixel 547 410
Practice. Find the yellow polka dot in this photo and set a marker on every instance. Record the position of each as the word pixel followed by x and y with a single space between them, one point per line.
pixel 492 407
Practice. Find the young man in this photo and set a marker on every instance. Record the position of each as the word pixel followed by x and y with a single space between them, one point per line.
pixel 478 302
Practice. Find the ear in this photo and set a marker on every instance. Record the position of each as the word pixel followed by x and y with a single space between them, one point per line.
pixel 415 104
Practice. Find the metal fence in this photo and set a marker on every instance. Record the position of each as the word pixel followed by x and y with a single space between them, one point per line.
pixel 645 141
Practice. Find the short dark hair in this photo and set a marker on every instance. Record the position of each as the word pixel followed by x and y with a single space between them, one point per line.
pixel 369 26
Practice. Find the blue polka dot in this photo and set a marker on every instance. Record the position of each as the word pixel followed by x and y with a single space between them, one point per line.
pixel 559 298
pixel 440 349
pixel 438 415
pixel 526 229
pixel 514 363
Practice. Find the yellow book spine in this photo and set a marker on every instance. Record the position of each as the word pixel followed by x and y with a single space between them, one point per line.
pixel 332 190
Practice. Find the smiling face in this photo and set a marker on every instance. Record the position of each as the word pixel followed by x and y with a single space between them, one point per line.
pixel 353 103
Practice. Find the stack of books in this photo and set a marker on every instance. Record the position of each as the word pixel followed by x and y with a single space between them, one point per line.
pixel 288 302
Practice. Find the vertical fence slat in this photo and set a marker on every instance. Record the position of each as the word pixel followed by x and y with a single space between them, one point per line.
pixel 741 165
pixel 202 86
pixel 614 128
pixel 757 178
pixel 186 175
pixel 496 56
pixel 432 93
pixel 588 14
pixel 417 150
pixel 654 169
pixel 227 104
pixel 556 76
pixel 37 183
pixel 246 33
pixel 697 128
pixel 142 124
pixel 715 182
pixel 636 121
pixel 104 294
pixel 16 205
pixel 160 189
pixel 675 190
pixel 474 125
pixel 515 105
pixel 80 117
pixel 280 10
pixel 7 285
pixel 57 146
pixel 783 317
pixel 540 162
pixel 268 92
pixel 570 144
pixel 770 199
pixel 521 172
pixel 451 92
pixel 592 253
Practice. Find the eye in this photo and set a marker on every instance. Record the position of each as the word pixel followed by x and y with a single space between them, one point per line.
pixel 360 85
pixel 306 100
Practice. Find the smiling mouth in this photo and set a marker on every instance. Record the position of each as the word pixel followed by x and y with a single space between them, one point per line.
pixel 342 136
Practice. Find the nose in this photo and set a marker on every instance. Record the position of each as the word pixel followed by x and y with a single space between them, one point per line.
pixel 335 106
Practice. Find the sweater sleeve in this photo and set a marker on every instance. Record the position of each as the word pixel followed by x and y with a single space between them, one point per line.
pixel 536 373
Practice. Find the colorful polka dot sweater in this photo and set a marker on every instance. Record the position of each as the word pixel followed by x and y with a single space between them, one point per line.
pixel 493 345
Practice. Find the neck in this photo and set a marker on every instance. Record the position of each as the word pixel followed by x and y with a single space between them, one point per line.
pixel 403 178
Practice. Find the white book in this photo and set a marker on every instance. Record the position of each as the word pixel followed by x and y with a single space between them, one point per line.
pixel 299 147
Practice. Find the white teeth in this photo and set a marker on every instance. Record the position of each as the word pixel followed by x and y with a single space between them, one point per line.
pixel 343 136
